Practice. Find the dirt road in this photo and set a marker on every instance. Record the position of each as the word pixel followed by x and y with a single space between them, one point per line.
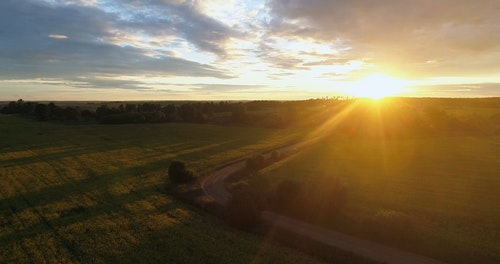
pixel 213 186
pixel 349 243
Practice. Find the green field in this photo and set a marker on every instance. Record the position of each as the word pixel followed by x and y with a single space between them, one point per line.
pixel 433 194
pixel 95 194
pixel 419 174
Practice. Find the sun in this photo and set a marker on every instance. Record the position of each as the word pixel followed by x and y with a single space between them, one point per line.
pixel 377 86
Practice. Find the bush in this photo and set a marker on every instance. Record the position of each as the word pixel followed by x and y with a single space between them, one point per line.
pixel 335 195
pixel 323 198
pixel 179 173
pixel 286 194
pixel 243 209
pixel 255 163
pixel 275 155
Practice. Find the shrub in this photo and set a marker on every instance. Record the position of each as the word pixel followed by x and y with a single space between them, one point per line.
pixel 275 155
pixel 335 195
pixel 286 193
pixel 323 198
pixel 255 162
pixel 179 173
pixel 250 164
pixel 243 209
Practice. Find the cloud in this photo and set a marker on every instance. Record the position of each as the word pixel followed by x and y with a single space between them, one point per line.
pixel 100 82
pixel 57 36
pixel 65 40
pixel 182 18
pixel 278 58
pixel 400 34
pixel 227 87
pixel 74 2
pixel 460 90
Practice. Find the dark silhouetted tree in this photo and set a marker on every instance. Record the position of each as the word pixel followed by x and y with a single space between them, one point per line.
pixel 42 112
pixel 255 162
pixel 243 209
pixel 179 173
pixel 238 113
pixel 71 114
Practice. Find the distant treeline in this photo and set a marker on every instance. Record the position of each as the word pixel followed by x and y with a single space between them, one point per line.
pixel 403 117
pixel 263 113
pixel 394 117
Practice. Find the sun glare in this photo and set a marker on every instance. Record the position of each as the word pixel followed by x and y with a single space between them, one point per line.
pixel 377 86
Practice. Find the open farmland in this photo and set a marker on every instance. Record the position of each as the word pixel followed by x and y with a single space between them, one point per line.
pixel 90 193
pixel 427 191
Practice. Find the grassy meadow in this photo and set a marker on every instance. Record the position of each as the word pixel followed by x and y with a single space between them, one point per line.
pixel 434 194
pixel 419 174
pixel 96 194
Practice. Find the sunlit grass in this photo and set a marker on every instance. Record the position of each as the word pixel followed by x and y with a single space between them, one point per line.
pixel 95 194
pixel 441 190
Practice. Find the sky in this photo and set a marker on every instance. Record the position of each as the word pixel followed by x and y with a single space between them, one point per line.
pixel 247 50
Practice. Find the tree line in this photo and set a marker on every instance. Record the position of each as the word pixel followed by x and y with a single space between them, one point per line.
pixel 46 112
pixel 395 118
pixel 253 112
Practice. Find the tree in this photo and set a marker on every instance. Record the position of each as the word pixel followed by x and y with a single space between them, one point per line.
pixel 255 162
pixel 187 112
pixel 275 155
pixel 287 196
pixel 19 107
pixel 170 112
pixel 71 114
pixel 309 201
pixel 55 111
pixel 243 209
pixel 87 115
pixel 238 113
pixel 13 107
pixel 42 112
pixel 179 173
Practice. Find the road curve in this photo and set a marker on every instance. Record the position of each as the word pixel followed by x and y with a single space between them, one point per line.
pixel 213 186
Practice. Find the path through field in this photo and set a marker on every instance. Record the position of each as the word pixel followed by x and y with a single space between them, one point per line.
pixel 213 186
